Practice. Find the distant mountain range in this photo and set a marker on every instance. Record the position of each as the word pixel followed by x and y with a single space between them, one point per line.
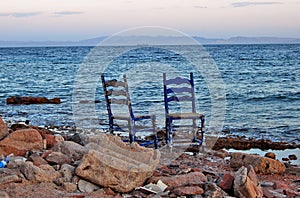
pixel 157 39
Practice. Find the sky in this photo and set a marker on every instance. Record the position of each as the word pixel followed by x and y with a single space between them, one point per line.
pixel 44 20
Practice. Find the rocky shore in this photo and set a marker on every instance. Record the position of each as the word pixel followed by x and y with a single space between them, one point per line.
pixel 39 163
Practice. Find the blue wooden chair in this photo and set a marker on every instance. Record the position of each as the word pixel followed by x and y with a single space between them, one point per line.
pixel 180 92
pixel 117 93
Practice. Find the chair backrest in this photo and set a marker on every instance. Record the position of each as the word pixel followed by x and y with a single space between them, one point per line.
pixel 116 93
pixel 179 90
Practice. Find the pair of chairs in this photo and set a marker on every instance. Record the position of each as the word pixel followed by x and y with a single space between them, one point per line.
pixel 177 90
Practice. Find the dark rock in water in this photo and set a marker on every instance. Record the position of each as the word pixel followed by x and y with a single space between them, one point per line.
pixel 32 100
pixel 293 157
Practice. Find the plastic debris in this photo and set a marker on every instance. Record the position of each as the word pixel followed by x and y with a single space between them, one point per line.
pixel 154 188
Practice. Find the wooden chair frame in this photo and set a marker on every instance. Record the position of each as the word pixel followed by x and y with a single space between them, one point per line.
pixel 111 98
pixel 184 91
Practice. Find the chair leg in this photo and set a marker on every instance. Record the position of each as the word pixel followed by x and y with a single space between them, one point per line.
pixel 131 137
pixel 169 132
pixel 111 126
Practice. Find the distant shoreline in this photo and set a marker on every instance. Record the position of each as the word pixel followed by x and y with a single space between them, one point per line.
pixel 201 40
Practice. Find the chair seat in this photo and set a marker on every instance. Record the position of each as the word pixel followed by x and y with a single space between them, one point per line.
pixel 184 115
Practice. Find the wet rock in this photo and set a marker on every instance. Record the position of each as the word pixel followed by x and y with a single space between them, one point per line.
pixel 213 191
pixel 226 182
pixel 188 190
pixel 21 141
pixel 246 184
pixel 85 186
pixel 293 157
pixel 31 100
pixel 37 160
pixel 115 164
pixel 71 149
pixel 43 173
pixel 58 158
pixel 190 179
pixel 3 129
pixel 260 164
pixel 270 155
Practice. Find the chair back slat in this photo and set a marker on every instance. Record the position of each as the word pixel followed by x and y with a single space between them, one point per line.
pixel 178 81
pixel 179 99
pixel 114 83
pixel 179 90
pixel 117 93
pixel 118 101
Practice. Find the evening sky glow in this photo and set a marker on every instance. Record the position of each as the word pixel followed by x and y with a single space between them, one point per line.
pixel 34 20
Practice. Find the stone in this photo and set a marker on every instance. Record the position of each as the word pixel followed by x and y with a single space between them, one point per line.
pixel 117 165
pixel 3 129
pixel 58 158
pixel 213 191
pixel 43 173
pixel 73 150
pixel 262 165
pixel 51 140
pixel 3 194
pixel 37 160
pixel 188 190
pixel 246 184
pixel 31 100
pixel 190 179
pixel 67 171
pixel 21 141
pixel 293 157
pixel 270 155
pixel 226 182
pixel 10 179
pixel 69 187
pixel 88 187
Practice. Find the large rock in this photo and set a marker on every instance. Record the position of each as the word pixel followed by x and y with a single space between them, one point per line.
pixel 21 141
pixel 246 184
pixel 3 129
pixel 73 150
pixel 262 165
pixel 43 173
pixel 190 179
pixel 115 164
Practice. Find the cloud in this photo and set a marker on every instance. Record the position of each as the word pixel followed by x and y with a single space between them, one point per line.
pixel 64 13
pixel 20 14
pixel 247 3
pixel 200 7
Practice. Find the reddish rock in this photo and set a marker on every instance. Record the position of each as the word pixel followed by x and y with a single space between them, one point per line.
pixel 51 140
pixel 270 155
pixel 3 129
pixel 246 183
pixel 43 173
pixel 21 141
pixel 31 100
pixel 227 182
pixel 37 160
pixel 58 158
pixel 260 164
pixel 190 179
pixel 188 190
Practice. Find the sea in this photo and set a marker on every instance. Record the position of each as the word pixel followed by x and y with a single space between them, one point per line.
pixel 260 83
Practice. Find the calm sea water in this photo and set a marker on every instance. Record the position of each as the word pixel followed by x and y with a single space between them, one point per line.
pixel 262 84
